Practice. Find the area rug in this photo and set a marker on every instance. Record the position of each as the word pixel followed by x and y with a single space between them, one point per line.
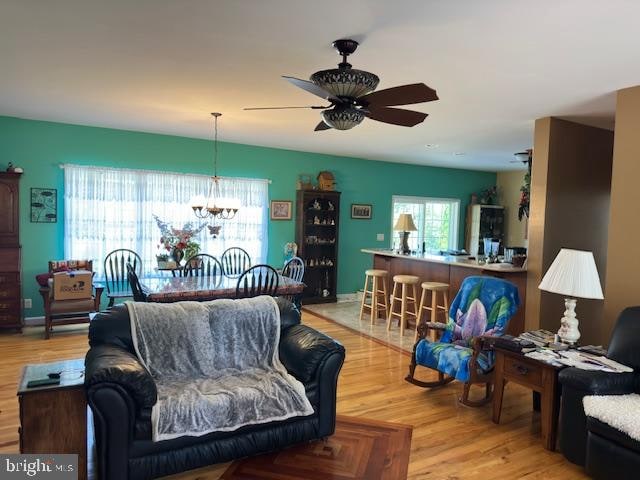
pixel 360 449
pixel 347 314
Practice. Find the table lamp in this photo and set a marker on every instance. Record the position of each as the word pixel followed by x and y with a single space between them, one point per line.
pixel 404 225
pixel 573 273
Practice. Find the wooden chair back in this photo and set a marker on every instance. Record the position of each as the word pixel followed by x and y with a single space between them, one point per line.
pixel 202 265
pixel 115 270
pixel 294 269
pixel 258 280
pixel 235 261
pixel 134 283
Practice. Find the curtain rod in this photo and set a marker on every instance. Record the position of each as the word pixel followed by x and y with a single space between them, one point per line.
pixel 139 170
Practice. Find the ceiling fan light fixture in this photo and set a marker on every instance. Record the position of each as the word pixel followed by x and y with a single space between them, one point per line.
pixel 346 82
pixel 343 117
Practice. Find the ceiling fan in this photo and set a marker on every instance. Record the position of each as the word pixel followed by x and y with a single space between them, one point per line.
pixel 523 157
pixel 351 96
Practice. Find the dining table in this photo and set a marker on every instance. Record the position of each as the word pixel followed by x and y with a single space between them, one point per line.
pixel 201 288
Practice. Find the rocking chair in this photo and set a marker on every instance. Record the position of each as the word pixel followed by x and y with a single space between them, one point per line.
pixel 481 310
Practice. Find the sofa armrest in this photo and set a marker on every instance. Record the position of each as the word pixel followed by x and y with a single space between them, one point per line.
pixel 303 350
pixel 114 365
pixel 595 382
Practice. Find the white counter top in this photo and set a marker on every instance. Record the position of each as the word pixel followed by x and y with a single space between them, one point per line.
pixel 458 261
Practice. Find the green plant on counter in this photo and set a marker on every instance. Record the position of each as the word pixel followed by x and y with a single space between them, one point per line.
pixel 525 192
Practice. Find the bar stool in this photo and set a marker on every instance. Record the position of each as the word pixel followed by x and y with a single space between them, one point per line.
pixel 433 288
pixel 378 279
pixel 404 282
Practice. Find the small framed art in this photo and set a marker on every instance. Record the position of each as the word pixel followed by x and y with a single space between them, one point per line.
pixel 281 209
pixel 361 211
pixel 44 205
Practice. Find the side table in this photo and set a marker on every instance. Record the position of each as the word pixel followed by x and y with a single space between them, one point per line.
pixel 53 419
pixel 540 377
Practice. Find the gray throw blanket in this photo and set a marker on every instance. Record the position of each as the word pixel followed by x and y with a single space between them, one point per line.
pixel 215 364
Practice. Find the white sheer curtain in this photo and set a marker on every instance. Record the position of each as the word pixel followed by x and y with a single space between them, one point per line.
pixel 108 208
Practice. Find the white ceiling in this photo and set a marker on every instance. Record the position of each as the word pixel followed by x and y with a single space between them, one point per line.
pixel 163 65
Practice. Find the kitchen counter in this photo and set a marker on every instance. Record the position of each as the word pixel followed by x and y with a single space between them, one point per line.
pixel 452 270
pixel 460 261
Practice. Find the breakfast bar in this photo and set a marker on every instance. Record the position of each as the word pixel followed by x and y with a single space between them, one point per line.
pixel 452 270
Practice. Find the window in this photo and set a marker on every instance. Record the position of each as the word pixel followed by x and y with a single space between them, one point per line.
pixel 436 220
pixel 108 208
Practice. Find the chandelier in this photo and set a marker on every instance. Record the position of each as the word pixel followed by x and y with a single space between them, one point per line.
pixel 214 206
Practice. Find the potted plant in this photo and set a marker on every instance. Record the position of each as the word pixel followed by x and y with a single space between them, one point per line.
pixel 163 260
pixel 192 248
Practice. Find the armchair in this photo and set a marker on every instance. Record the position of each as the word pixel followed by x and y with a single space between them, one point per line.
pixel 481 310
pixel 581 440
pixel 64 312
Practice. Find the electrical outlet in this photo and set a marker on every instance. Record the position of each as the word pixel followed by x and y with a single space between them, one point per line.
pixel 380 237
pixel 27 303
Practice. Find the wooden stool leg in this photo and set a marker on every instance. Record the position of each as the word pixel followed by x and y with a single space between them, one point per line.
pixel 364 296
pixel 446 306
pixel 386 296
pixel 403 309
pixel 393 300
pixel 434 311
pixel 374 301
pixel 420 311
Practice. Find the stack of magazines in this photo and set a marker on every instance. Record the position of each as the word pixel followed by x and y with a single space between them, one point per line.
pixel 514 344
pixel 540 338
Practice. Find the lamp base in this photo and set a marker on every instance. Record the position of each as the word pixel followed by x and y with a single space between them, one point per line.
pixel 568 331
pixel 404 244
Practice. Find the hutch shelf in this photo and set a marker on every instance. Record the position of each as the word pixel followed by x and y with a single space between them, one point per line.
pixel 317 225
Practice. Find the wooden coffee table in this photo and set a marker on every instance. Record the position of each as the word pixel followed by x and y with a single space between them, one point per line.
pixel 538 376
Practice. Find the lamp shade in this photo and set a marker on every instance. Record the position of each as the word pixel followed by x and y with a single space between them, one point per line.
pixel 573 273
pixel 405 223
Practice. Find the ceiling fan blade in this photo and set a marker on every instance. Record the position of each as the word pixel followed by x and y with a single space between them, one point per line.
pixel 309 87
pixel 402 95
pixel 314 107
pixel 321 126
pixel 396 116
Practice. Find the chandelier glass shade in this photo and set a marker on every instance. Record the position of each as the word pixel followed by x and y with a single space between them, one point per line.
pixel 215 206
pixel 343 117
pixel 346 82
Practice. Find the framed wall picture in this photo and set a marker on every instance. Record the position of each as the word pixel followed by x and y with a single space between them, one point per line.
pixel 44 205
pixel 361 211
pixel 281 209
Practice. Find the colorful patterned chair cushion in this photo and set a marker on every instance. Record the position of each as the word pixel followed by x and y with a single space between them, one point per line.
pixel 61 265
pixel 483 306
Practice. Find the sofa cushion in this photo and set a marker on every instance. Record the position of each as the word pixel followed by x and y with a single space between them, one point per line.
pixel 617 411
pixel 616 436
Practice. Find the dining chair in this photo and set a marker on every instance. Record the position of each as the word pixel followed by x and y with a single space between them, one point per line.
pixel 115 273
pixel 202 265
pixel 294 269
pixel 134 283
pixel 235 261
pixel 258 280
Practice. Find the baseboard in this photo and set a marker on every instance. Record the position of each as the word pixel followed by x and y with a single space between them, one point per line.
pixel 34 321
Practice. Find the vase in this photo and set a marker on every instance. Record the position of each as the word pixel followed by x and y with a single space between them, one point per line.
pixel 177 255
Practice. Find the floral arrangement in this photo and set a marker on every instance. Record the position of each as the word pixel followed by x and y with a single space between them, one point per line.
pixel 179 239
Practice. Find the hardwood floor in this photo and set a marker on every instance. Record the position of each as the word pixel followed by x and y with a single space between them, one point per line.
pixel 449 441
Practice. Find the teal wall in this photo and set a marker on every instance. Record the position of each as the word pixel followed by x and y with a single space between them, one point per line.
pixel 40 147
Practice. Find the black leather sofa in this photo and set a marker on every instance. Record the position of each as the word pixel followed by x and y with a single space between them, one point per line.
pixel 121 393
pixel 586 441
